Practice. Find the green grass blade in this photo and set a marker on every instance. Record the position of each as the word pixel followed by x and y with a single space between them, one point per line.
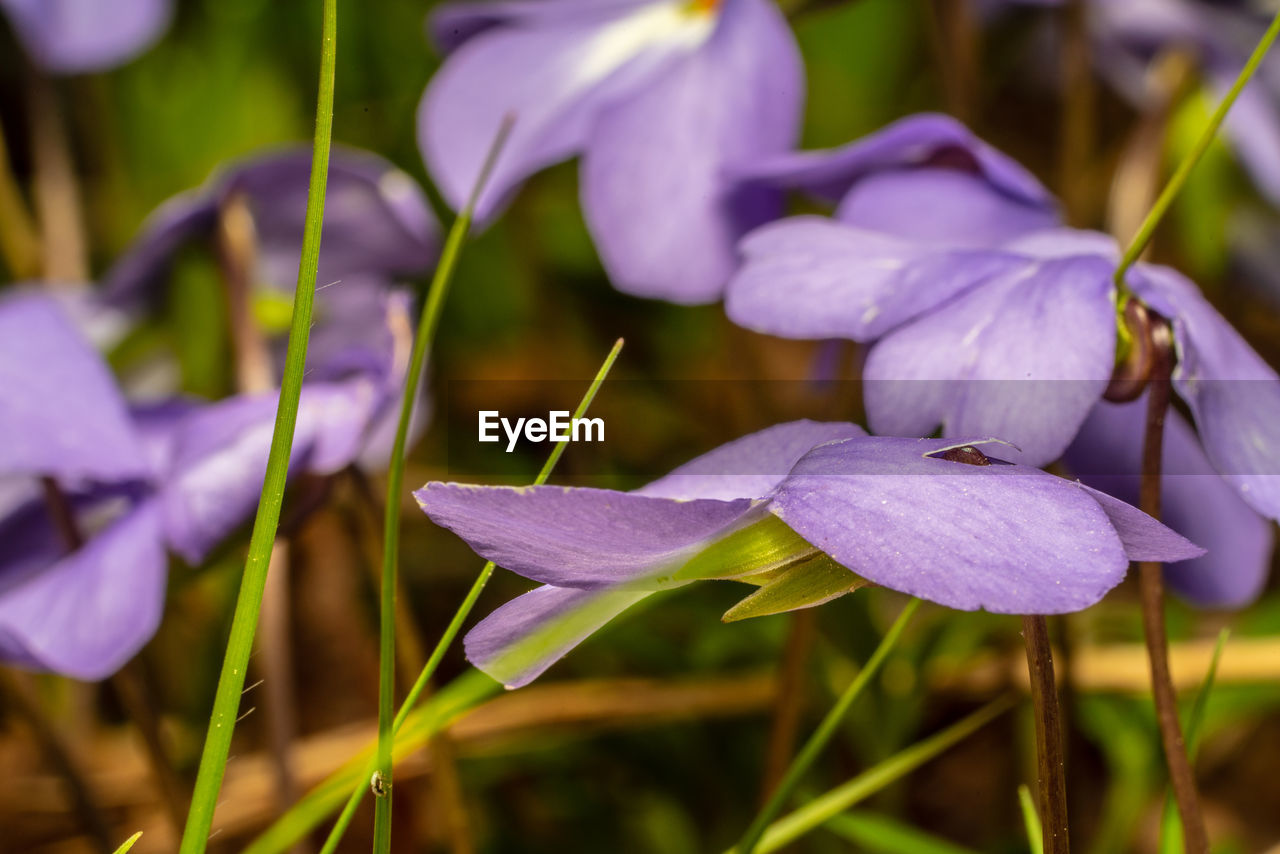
pixel 432 307
pixel 1031 818
pixel 129 843
pixel 1148 228
pixel 464 610
pixel 827 806
pixel 882 834
pixel 1171 841
pixel 226 704
pixel 818 741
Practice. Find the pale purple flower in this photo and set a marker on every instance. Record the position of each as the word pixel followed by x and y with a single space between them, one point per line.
pixel 660 98
pixel 895 512
pixel 138 481
pixel 980 327
pixel 77 36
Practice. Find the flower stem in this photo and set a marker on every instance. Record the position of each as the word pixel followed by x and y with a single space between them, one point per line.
pixel 213 759
pixel 422 342
pixel 57 191
pixel 818 741
pixel 1151 589
pixel 460 616
pixel 1049 758
pixel 803 629
pixel 1145 232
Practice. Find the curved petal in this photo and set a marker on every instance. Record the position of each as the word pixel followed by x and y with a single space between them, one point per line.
pixel 1195 501
pixel 1234 395
pixel 749 467
pixel 521 639
pixel 585 538
pixel 941 207
pixel 811 277
pixel 90 612
pixel 925 139
pixel 220 458
pixel 63 414
pixel 454 24
pixel 553 79
pixel 1023 357
pixel 1005 538
pixel 654 190
pixel 76 36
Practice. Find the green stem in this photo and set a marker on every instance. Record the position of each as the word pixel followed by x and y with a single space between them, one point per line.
pixel 422 342
pixel 464 610
pixel 1145 232
pixel 818 741
pixel 226 702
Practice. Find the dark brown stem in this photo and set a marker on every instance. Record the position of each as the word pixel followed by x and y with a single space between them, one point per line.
pixel 955 42
pixel 791 695
pixel 1050 763
pixel 1151 588
pixel 132 689
pixel 22 699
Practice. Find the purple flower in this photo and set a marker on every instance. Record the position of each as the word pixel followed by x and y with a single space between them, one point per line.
pixel 662 98
pixel 927 517
pixel 76 36
pixel 983 327
pixel 135 481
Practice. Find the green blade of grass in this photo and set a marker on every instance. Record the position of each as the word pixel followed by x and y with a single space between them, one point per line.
pixel 464 610
pixel 1031 819
pixel 880 833
pixel 822 809
pixel 1148 228
pixel 1171 841
pixel 129 843
pixel 226 704
pixel 422 342
pixel 818 741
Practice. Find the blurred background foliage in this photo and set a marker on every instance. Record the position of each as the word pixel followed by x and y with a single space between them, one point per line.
pixel 530 302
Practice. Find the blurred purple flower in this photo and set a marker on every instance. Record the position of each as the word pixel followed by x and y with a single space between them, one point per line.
pixel 660 97
pixel 77 36
pixel 178 475
pixel 992 535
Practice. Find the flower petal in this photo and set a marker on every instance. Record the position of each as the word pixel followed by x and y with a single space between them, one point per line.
pixel 810 277
pixel 749 467
pixel 1234 395
pixel 63 414
pixel 1006 538
pixel 1195 502
pixel 90 612
pixel 76 36
pixel 553 79
pixel 1024 357
pixel 454 24
pixel 664 216
pixel 520 640
pixel 586 538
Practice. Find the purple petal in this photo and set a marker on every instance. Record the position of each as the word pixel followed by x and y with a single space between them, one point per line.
pixel 926 139
pixel 377 223
pixel 749 467
pixel 1023 357
pixel 553 79
pixel 1196 502
pixel 454 24
pixel 76 36
pixel 941 207
pixel 654 190
pixel 90 612
pixel 1006 538
pixel 809 277
pixel 220 458
pixel 494 646
pixel 63 413
pixel 585 538
pixel 1234 395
